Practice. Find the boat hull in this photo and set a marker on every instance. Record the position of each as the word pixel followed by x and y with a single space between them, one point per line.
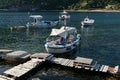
pixel 60 49
pixel 86 24
pixel 43 25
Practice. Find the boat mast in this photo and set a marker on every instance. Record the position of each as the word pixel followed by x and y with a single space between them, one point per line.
pixel 65 18
pixel 65 25
pixel 28 19
pixel 65 22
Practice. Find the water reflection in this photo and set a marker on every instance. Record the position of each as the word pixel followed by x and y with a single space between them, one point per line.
pixel 86 35
pixel 27 31
pixel 57 73
pixel 87 30
pixel 111 78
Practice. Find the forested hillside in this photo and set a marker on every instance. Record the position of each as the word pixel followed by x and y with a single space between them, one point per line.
pixel 24 5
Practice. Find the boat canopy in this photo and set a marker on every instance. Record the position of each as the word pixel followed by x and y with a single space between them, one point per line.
pixel 69 29
pixel 63 31
pixel 58 32
pixel 36 16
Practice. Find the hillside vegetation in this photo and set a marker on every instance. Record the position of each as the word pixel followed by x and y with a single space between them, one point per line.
pixel 25 5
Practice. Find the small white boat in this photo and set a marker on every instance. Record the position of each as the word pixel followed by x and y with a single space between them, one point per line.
pixel 62 40
pixel 38 22
pixel 64 15
pixel 87 22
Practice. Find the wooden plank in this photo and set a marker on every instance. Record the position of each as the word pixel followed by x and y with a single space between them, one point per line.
pixel 87 68
pixel 68 63
pixel 64 62
pixel 105 68
pixel 101 68
pixel 71 63
pixel 76 66
pixel 17 56
pixel 2 77
pixel 67 60
pixel 83 60
pixel 79 67
pixel 61 60
pixel 21 69
pixel 17 71
pixel 92 69
pixel 41 55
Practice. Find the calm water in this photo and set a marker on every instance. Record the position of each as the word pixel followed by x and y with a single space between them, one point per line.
pixel 100 42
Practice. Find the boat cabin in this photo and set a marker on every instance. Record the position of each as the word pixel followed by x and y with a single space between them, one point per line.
pixel 37 18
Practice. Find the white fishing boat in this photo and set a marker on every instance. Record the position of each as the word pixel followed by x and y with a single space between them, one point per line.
pixel 64 15
pixel 62 40
pixel 38 22
pixel 87 22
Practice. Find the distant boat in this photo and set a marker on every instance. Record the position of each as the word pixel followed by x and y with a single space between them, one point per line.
pixel 64 15
pixel 38 22
pixel 87 21
pixel 62 40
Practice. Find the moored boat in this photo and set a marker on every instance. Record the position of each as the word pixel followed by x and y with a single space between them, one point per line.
pixel 38 22
pixel 87 21
pixel 64 15
pixel 62 40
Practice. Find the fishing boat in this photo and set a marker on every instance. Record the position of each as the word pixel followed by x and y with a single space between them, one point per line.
pixel 62 40
pixel 38 22
pixel 64 15
pixel 87 21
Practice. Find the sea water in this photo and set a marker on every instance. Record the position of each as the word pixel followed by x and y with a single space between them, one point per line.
pixel 101 41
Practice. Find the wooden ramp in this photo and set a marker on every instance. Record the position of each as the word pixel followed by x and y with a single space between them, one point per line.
pixel 62 61
pixel 20 70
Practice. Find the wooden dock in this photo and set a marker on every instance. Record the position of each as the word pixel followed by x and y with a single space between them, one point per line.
pixel 79 63
pixel 86 64
pixel 12 56
pixel 19 56
pixel 20 71
pixel 62 61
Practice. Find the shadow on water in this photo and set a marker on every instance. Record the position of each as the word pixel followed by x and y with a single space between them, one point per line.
pixel 58 73
pixel 4 68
